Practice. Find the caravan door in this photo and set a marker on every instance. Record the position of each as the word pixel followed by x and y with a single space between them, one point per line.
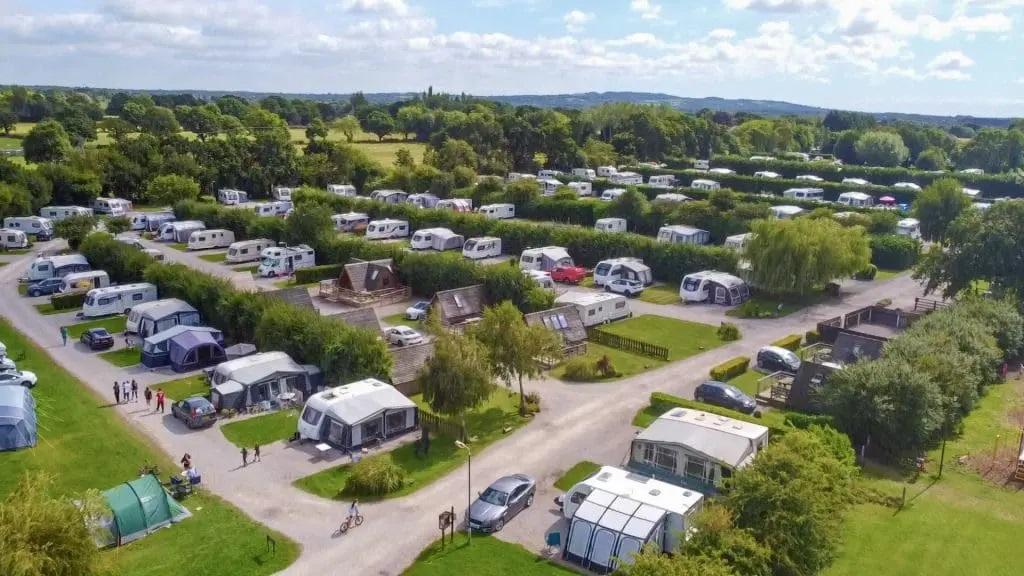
pixel 721 295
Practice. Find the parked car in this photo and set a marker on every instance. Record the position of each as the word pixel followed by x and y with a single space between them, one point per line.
pixel 417 311
pixel 724 395
pixel 776 358
pixel 403 336
pixel 97 339
pixel 502 500
pixel 625 287
pixel 7 364
pixel 45 287
pixel 18 378
pixel 195 412
pixel 568 274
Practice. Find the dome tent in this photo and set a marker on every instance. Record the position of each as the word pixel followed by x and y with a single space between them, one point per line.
pixel 140 507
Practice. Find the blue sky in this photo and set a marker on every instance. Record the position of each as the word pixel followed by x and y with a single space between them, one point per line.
pixel 944 57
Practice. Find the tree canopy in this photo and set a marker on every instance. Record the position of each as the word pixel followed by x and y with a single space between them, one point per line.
pixel 457 378
pixel 878 148
pixel 938 205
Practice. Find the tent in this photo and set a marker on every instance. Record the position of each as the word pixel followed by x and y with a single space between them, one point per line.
pixel 193 350
pixel 139 508
pixel 239 350
pixel 156 348
pixel 17 418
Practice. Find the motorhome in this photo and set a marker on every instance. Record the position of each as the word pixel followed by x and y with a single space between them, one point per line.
pixel 83 281
pixel 714 287
pixel 155 220
pixel 180 231
pixel 263 209
pixel 542 279
pixel 342 189
pixel 909 227
pixel 701 164
pixel 738 242
pixel 806 194
pixel 285 260
pixel 856 199
pixel 350 221
pixel 56 267
pixel 58 213
pixel 41 228
pixel 766 174
pixel 856 182
pixel 597 307
pixel 389 196
pixel 231 197
pixel 585 173
pixel 282 193
pixel 612 194
pixel 610 225
pixel 786 212
pixel 678 234
pixel 626 178
pixel 548 186
pixel 705 184
pixel 498 211
pixel 247 250
pixel 971 192
pixel 387 228
pixel 671 197
pixel 424 200
pixel 211 238
pixel 480 248
pixel 582 188
pixel 541 175
pixel 544 258
pixel 117 299
pixel 628 268
pixel 606 171
pixel 455 204
pixel 439 239
pixel 111 206
pixel 662 181
pixel 13 239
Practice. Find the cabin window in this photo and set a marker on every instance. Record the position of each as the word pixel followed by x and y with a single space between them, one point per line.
pixel 311 415
pixel 696 468
pixel 104 301
pixel 620 305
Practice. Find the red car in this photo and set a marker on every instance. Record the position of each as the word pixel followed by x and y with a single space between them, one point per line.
pixel 568 274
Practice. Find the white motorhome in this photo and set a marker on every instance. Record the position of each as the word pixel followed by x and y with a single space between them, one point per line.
pixel 285 260
pixel 626 178
pixel 281 207
pixel 282 193
pixel 672 197
pixel 705 184
pixel 424 200
pixel 155 220
pixel 41 228
pixel 56 267
pixel 342 189
pixel 738 242
pixel 808 194
pixel 498 211
pixel 549 174
pixel 247 250
pixel 77 281
pixel 263 209
pixel 387 228
pixel 714 287
pixel 544 259
pixel 439 239
pixel 480 248
pixel 180 231
pixel 662 181
pixel 582 188
pixel 58 213
pixel 231 197
pixel 856 181
pixel 111 206
pixel 786 212
pixel 548 186
pixel 585 173
pixel 612 194
pixel 212 238
pixel 117 299
pixel 455 204
pixel 597 307
pixel 678 234
pixel 909 227
pixel 606 171
pixel 13 239
pixel 610 225
pixel 766 174
pixel 389 196
pixel 856 199
pixel 629 268
pixel 350 221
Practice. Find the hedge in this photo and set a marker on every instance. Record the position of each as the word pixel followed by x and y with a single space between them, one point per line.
pixel 791 342
pixel 894 252
pixel 318 273
pixel 68 301
pixel 661 401
pixel 730 368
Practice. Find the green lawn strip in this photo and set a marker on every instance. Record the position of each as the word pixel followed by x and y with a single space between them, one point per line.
pixel 113 324
pixel 22 289
pixel 181 247
pixel 184 387
pixel 682 338
pixel 883 275
pixel 747 382
pixel 264 429
pixel 660 294
pixel 15 251
pixel 577 473
pixel 216 257
pixel 250 268
pixel 587 282
pixel 770 306
pixel 123 357
pixel 625 363
pixel 46 309
pixel 400 320
pixel 84 445
pixel 290 283
pixel 486 556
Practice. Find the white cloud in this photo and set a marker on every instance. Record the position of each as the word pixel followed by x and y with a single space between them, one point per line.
pixel 576 21
pixel 722 34
pixel 646 9
pixel 393 7
pixel 776 5
pixel 950 65
pixel 635 39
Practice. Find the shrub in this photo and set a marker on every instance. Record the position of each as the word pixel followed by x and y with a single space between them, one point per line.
pixel 579 369
pixel 68 301
pixel 317 273
pixel 532 402
pixel 728 332
pixel 791 342
pixel 730 368
pixel 868 273
pixel 805 421
pixel 812 337
pixel 374 477
pixel 751 309
pixel 894 252
pixel 605 367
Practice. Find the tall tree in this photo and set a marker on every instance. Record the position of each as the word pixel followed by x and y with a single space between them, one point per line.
pixel 938 205
pixel 169 189
pixel 879 148
pixel 347 125
pixel 380 123
pixel 457 378
pixel 46 142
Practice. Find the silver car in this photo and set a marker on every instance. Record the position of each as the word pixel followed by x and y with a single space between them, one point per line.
pixel 502 500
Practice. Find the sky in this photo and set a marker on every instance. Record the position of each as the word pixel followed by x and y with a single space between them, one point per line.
pixel 926 56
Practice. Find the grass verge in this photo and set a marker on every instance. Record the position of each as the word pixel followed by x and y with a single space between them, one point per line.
pixel 249 268
pixel 626 364
pixel 216 257
pixel 179 246
pixel 264 429
pixel 576 474
pixel 400 320
pixel 113 324
pixel 123 357
pixel 660 294
pixel 682 338
pixel 486 556
pixel 764 306
pixel 46 309
pixel 184 387
pixel 747 382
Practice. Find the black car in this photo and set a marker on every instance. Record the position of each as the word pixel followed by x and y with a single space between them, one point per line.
pixel 724 395
pixel 195 412
pixel 97 339
pixel 776 358
pixel 45 287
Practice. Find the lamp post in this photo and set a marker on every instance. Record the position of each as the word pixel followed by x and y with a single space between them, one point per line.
pixel 469 487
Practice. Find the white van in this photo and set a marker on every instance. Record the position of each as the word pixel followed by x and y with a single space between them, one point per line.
pixel 179 231
pixel 387 228
pixel 285 260
pixel 612 194
pixel 629 268
pixel 117 299
pixel 909 227
pixel 85 281
pixel 262 209
pixel 582 188
pixel 439 239
pixel 606 171
pixel 282 193
pixel 613 225
pixel 58 213
pixel 41 228
pixel 455 204
pixel 232 197
pixel 111 206
pixel 498 211
pixel 247 250
pixel 856 199
pixel 212 238
pixel 350 221
pixel 808 194
pixel 342 189
pixel 56 267
pixel 585 173
pixel 480 248
pixel 597 308
pixel 662 181
pixel 549 174
pixel 12 239
pixel 786 212
pixel 705 184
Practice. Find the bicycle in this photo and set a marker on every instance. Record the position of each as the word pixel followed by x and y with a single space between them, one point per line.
pixel 349 522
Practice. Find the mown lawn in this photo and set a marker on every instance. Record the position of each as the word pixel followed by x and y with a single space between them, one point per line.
pixel 400 320
pixel 218 257
pixel 884 274
pixel 123 357
pixel 113 324
pixel 486 556
pixel 8 143
pixel 249 268
pixel 179 246
pixel 576 474
pixel 184 387
pixel 625 363
pixel 682 338
pixel 660 294
pixel 84 445
pixel 747 382
pixel 264 429
pixel 46 309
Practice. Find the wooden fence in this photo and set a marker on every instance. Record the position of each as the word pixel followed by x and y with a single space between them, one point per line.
pixel 628 344
pixel 440 426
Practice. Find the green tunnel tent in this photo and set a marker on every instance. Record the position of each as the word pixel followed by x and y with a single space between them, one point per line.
pixel 140 507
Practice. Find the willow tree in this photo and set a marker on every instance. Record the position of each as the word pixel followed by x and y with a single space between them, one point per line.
pixel 457 378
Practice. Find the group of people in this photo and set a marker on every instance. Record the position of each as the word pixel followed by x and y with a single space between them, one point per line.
pixel 128 391
pixel 255 454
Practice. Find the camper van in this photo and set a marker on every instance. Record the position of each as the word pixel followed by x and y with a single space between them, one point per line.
pixel 738 242
pixel 548 186
pixel 424 200
pixel 180 231
pixel 82 281
pixel 439 239
pixel 58 213
pixel 155 220
pixel 111 206
pixel 672 197
pixel 341 189
pixel 389 196
pixel 285 260
pixel 480 248
pixel 807 194
pixel 544 258
pixel 626 179
pixel 597 308
pixel 554 174
pixel 56 267
pixel 498 211
pixel 387 228
pixel 679 234
pixel 786 212
pixel 231 197
pixel 263 209
pixel 455 205
pixel 629 268
pixel 662 181
pixel 283 193
pixel 714 287
pixel 117 299
pixel 41 228
pixel 856 199
pixel 610 225
pixel 606 171
pixel 612 194
pixel 247 250
pixel 212 238
pixel 909 227
pixel 705 184
pixel 350 221
pixel 13 239
pixel 582 188
pixel 585 173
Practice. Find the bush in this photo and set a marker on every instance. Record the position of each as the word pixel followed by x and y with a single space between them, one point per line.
pixel 375 476
pixel 579 369
pixel 728 332
pixel 812 337
pixel 751 309
pixel 805 421
pixel 730 368
pixel 317 273
pixel 868 273
pixel 894 252
pixel 791 342
pixel 532 402
pixel 68 301
pixel 605 367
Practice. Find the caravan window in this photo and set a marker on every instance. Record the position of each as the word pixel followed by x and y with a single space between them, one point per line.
pixel 695 468
pixel 311 415
pixel 660 457
pixel 275 388
pixel 136 297
pixel 44 268
pixel 602 269
pixel 528 259
pixel 394 421
pixel 691 284
pixel 620 305
pixel 591 312
pixel 105 301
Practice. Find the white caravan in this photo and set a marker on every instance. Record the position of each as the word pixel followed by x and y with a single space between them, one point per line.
pixel 212 238
pixel 117 299
pixel 975 171
pixel 424 200
pixel 856 199
pixel 629 268
pixel 762 158
pixel 549 174
pixel 140 220
pixel 548 186
pixel 585 173
pixel 705 184
pixel 597 307
pixel 498 211
pixel 58 213
pixel 738 242
pixel 263 209
pixel 111 206
pixel 786 212
pixel 606 171
pixel 544 259
pixel 971 192
pixel 662 181
pixel 455 205
pixel 766 174
pixel 713 287
pixel 85 281
pixel 906 186
pixel 679 234
pixel 389 196
pixel 480 248
pixel 282 193
pixel 180 231
pixel 513 176
pixel 810 178
pixel 807 194
pixel 232 197
pixel 154 220
pixel 612 194
pixel 701 164
pixel 350 221
pixel 285 260
pixel 672 197
pixel 582 188
pixel 342 189
pixel 610 225
pixel 439 239
pixel 13 239
pixel 909 227
pixel 722 171
pixel 56 267
pixel 856 182
pixel 626 179
pixel 247 250
pixel 281 207
pixel 387 228
pixel 41 228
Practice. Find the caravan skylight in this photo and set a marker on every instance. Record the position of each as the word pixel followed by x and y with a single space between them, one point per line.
pixel 458 300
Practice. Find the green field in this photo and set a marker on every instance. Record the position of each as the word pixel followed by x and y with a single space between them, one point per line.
pixel 113 324
pixel 123 357
pixel 384 153
pixel 485 556
pixel 84 445
pixel 184 387
pixel 264 429
pixel 660 294
pixel 682 338
pixel 576 474
pixel 217 257
pixel 747 382
pixel 626 364
pixel 8 143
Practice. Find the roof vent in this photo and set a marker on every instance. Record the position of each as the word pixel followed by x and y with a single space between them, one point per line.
pixel 655 492
pixel 737 426
pixel 687 493
pixel 677 413
pixel 604 476
pixel 377 383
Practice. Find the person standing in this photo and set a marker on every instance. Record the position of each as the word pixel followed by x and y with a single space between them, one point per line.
pixel 64 334
pixel 245 456
pixel 256 453
pixel 126 392
pixel 117 392
pixel 135 391
pixel 160 399
pixel 149 396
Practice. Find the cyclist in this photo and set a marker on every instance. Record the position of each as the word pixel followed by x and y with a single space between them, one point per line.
pixel 353 510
